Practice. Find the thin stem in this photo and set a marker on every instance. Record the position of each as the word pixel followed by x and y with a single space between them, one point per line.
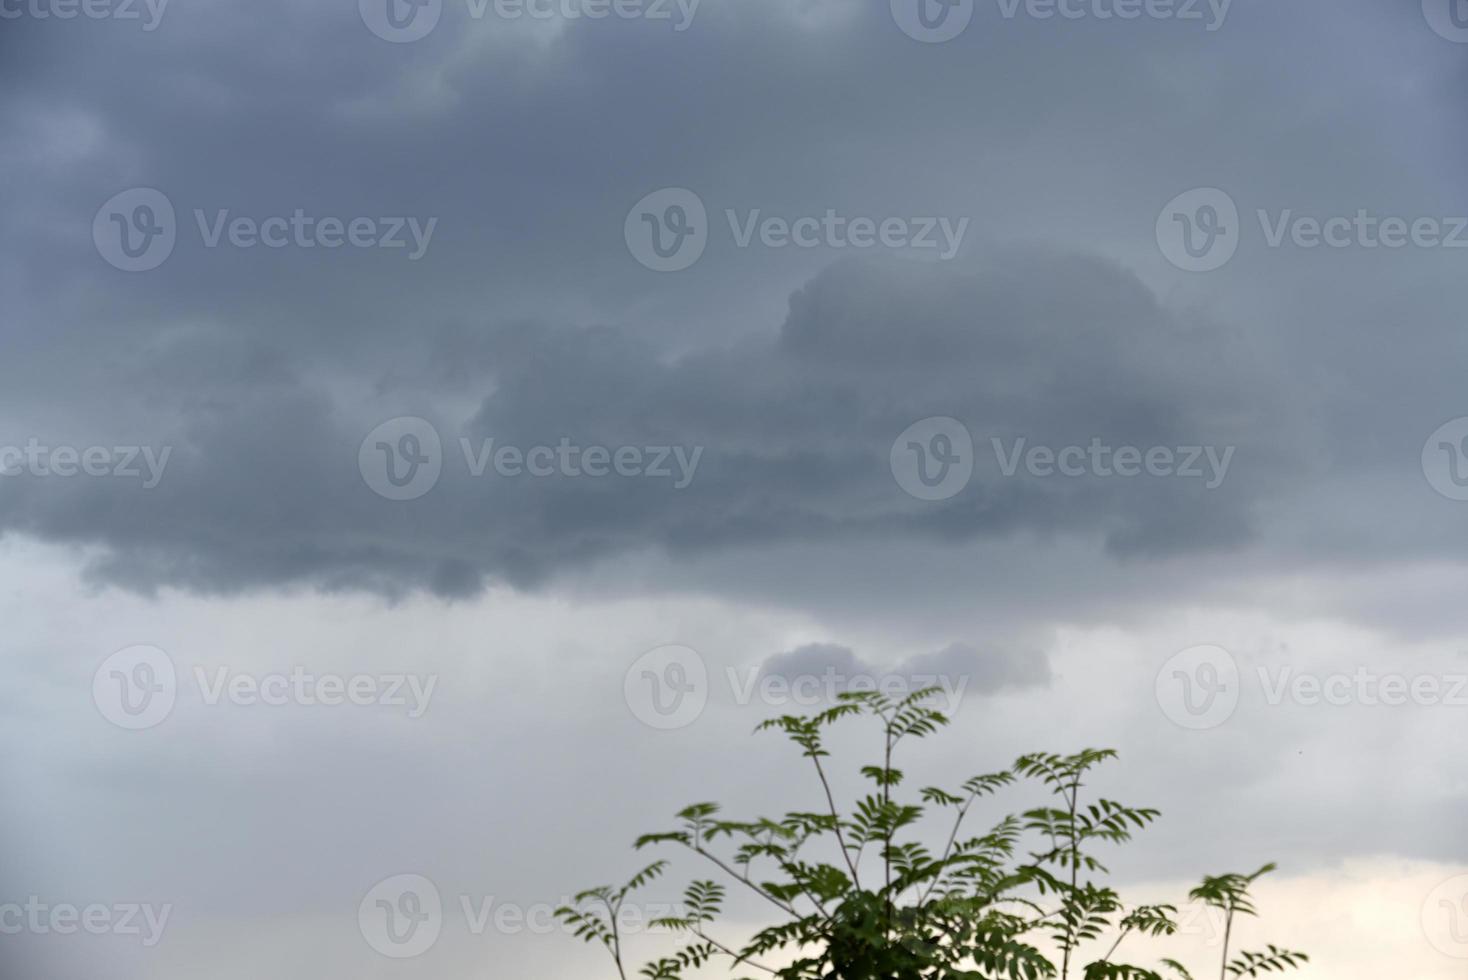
pixel 612 911
pixel 1228 925
pixel 729 952
pixel 948 848
pixel 787 866
pixel 886 804
pixel 840 837
pixel 1107 957
pixel 1072 797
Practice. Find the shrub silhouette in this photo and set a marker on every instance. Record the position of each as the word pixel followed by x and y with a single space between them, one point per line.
pixel 890 909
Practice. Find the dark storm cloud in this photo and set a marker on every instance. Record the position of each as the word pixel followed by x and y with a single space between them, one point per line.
pixel 772 441
pixel 264 369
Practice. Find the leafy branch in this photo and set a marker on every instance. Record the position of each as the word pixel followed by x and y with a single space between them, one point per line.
pixel 979 908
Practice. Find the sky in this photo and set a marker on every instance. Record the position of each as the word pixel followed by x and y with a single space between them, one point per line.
pixel 433 435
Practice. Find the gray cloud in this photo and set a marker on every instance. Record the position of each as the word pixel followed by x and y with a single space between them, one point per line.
pixel 265 369
pixel 795 435
pixel 957 667
pixel 986 670
pixel 813 659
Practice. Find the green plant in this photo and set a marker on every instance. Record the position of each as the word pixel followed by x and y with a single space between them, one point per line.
pixel 884 906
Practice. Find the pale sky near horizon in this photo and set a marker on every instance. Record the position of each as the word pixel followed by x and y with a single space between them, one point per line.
pixel 431 440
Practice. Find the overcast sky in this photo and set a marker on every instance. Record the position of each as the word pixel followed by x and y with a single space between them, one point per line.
pixel 575 383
